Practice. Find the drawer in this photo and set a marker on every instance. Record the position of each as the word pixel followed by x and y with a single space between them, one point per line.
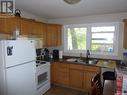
pixel 91 68
pixel 63 65
pixel 63 78
pixel 76 66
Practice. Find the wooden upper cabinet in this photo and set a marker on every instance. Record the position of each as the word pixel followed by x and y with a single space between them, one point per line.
pixel 2 25
pixel 27 26
pixel 50 33
pixel 43 32
pixel 125 34
pixel 9 25
pixel 37 28
pixel 53 35
pixel 12 24
pixel 59 35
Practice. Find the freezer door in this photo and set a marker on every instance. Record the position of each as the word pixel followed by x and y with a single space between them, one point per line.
pixel 18 52
pixel 21 79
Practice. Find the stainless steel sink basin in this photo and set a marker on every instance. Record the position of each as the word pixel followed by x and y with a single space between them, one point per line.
pixel 80 61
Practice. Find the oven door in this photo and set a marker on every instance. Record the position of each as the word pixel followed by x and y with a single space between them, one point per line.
pixel 43 76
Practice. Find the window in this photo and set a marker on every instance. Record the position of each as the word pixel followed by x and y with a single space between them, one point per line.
pixel 76 38
pixel 100 38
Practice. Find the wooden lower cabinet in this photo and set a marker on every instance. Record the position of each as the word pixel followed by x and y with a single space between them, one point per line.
pixel 60 73
pixel 63 74
pixel 73 75
pixel 63 78
pixel 87 79
pixel 54 73
pixel 76 78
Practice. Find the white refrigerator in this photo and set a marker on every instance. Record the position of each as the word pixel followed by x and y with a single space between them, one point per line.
pixel 17 67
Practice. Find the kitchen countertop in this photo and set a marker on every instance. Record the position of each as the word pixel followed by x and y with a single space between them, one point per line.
pixel 69 62
pixel 106 64
pixel 99 63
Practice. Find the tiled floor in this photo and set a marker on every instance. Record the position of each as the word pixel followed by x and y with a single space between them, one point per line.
pixel 57 90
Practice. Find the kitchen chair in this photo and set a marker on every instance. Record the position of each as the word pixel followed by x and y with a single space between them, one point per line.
pixel 97 88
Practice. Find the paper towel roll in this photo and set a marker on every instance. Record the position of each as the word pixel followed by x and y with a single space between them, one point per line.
pixel 60 54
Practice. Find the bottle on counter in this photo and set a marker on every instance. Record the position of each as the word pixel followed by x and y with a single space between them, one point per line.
pixel 46 55
pixel 87 56
pixel 81 58
pixel 51 56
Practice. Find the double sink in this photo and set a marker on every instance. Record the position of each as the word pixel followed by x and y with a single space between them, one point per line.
pixel 82 61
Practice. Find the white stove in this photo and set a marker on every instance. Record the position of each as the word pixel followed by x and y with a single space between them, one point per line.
pixel 41 63
pixel 43 77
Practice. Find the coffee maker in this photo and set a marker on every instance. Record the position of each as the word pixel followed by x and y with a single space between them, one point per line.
pixel 55 54
pixel 46 55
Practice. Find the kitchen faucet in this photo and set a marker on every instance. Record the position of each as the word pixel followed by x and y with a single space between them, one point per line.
pixel 87 56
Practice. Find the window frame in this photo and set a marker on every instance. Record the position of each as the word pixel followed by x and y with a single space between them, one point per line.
pixel 66 38
pixel 89 37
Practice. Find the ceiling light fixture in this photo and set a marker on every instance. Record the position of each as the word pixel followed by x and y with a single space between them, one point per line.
pixel 71 2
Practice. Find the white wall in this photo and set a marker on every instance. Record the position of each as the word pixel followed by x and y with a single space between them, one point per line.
pixel 32 16
pixel 116 17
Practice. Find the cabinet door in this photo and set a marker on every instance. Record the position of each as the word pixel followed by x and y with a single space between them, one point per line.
pixel 12 24
pixel 63 78
pixel 9 25
pixel 52 72
pixel 88 75
pixel 37 29
pixel 55 73
pixel 2 25
pixel 26 26
pixel 59 35
pixel 43 32
pixel 63 75
pixel 76 78
pixel 60 73
pixel 53 35
pixel 125 35
pixel 50 35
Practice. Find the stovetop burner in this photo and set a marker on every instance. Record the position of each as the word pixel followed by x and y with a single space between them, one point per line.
pixel 39 63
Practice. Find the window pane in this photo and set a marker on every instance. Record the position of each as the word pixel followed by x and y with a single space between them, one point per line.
pixel 102 48
pixel 103 29
pixel 76 38
pixel 102 37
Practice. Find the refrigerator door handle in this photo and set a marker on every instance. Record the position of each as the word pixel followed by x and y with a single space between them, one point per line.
pixel 9 50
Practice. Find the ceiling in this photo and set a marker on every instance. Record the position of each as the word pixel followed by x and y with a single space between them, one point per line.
pixel 53 9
